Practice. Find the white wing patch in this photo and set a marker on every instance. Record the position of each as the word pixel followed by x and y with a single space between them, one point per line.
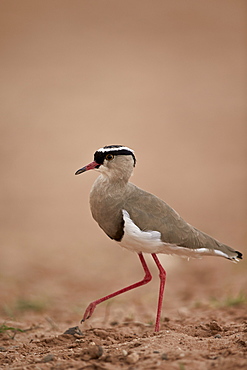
pixel 138 241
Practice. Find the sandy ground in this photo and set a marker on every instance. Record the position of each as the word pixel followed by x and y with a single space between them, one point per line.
pixel 168 79
pixel 202 328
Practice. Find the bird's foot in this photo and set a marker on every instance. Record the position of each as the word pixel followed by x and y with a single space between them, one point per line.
pixel 89 311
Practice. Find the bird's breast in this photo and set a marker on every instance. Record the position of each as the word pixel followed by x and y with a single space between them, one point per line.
pixel 106 207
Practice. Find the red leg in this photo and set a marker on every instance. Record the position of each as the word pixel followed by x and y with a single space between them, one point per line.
pixel 90 309
pixel 162 276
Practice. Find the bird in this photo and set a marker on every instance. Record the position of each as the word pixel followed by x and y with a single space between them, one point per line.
pixel 141 222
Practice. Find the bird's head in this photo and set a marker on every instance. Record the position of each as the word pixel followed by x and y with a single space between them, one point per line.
pixel 113 161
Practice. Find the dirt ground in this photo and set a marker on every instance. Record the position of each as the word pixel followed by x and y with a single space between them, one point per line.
pixel 168 79
pixel 207 340
pixel 203 325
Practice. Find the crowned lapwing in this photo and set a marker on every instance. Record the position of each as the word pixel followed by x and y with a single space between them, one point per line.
pixel 141 222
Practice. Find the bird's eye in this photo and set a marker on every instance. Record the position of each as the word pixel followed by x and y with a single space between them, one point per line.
pixel 109 157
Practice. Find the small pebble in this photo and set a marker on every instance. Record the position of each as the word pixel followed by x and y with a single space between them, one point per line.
pixel 95 351
pixel 75 330
pixel 48 358
pixel 164 356
pixel 132 358
pixel 114 323
pixel 218 336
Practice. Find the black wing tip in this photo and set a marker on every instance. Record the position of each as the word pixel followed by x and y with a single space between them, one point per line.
pixel 239 255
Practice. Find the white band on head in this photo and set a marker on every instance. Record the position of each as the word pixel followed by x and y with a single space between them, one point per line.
pixel 103 150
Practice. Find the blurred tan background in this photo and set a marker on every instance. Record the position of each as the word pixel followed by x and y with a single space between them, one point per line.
pixel 167 79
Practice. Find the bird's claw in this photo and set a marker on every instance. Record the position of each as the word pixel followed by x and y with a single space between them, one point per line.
pixel 89 311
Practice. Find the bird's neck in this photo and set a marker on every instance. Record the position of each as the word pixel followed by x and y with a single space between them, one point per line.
pixel 108 185
pixel 117 176
pixel 115 179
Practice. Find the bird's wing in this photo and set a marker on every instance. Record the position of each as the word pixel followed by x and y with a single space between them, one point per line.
pixel 149 212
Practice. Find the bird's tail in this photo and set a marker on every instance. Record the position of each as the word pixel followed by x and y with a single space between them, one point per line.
pixel 228 252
